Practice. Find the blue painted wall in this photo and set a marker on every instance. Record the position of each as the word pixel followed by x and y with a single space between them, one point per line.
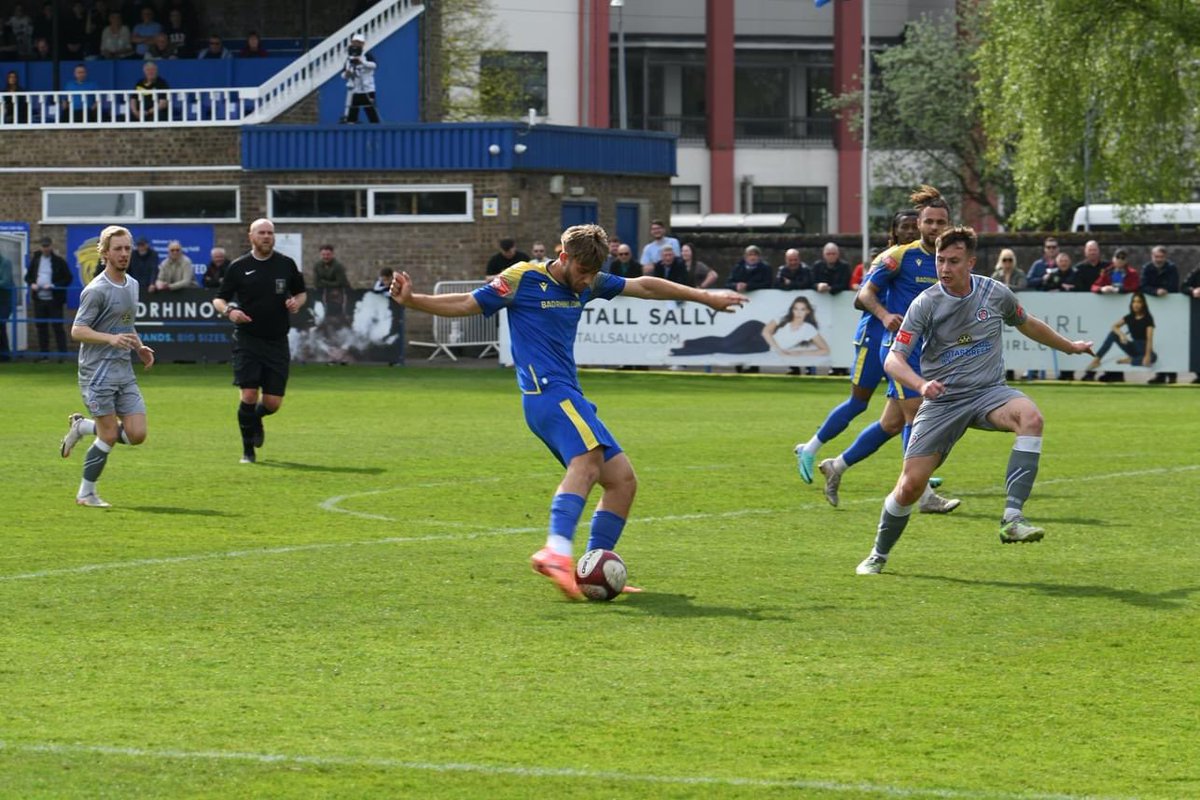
pixel 397 80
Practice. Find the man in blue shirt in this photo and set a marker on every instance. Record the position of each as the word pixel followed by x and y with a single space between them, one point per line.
pixel 545 303
pixel 81 107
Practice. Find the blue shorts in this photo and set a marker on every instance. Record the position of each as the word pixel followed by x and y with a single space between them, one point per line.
pixel 896 390
pixel 566 422
pixel 867 371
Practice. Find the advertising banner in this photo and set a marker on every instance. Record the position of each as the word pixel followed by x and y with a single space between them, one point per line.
pixel 800 329
pixel 82 257
pixel 14 256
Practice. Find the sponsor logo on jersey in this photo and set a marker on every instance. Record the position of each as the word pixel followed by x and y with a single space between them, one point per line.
pixel 127 318
pixel 904 337
pixel 500 286
pixel 890 263
pixel 543 284
pixel 965 339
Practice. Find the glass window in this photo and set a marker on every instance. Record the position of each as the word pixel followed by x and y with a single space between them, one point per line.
pixel 685 199
pixel 194 203
pixel 338 203
pixel 425 202
pixel 77 204
pixel 808 204
pixel 511 83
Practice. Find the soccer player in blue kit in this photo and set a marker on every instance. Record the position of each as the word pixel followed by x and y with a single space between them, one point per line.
pixel 545 303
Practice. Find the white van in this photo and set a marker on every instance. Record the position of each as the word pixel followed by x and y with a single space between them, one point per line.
pixel 1152 217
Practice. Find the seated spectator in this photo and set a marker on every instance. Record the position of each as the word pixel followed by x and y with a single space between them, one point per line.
pixel 1118 277
pixel 794 274
pixel 115 40
pixel 175 271
pixel 625 266
pixel 81 107
pixel 150 98
pixel 1007 271
pixel 144 32
pixel 178 34
pixel 329 272
pixel 831 275
pixel 216 49
pixel 1085 273
pixel 1038 269
pixel 1138 345
pixel 1057 271
pixel 614 244
pixel 143 264
pixel 856 276
pixel 214 273
pixel 750 273
pixel 253 48
pixel 669 267
pixel 41 50
pixel 22 30
pixel 74 30
pixel 161 48
pixel 13 109
pixel 538 253
pixel 383 284
pixel 508 255
pixel 700 275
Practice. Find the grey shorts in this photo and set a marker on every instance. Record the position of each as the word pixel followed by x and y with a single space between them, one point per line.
pixel 112 391
pixel 939 424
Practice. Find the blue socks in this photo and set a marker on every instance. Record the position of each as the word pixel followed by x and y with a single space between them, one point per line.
pixel 840 417
pixel 606 530
pixel 871 439
pixel 565 511
pixel 905 432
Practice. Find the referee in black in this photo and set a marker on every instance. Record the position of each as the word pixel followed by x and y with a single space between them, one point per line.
pixel 258 292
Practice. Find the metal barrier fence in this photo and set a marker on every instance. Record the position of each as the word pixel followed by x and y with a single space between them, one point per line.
pixel 451 332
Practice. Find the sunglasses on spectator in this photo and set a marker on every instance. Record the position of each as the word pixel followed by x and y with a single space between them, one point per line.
pixel 1006 259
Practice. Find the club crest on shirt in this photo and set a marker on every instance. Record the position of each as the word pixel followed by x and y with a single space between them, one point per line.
pixel 904 337
pixel 890 263
pixel 982 315
pixel 500 286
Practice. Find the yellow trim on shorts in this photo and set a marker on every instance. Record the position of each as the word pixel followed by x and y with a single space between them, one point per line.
pixel 585 433
pixel 857 372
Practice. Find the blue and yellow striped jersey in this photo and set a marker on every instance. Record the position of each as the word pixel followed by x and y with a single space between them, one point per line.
pixel 904 272
pixel 543 316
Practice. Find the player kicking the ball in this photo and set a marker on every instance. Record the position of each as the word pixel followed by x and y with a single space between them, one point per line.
pixel 961 320
pixel 104 327
pixel 545 302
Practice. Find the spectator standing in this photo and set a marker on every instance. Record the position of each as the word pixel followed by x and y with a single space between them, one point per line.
pixel 856 276
pixel 1007 271
pixel 179 34
pixel 614 244
pixel 144 32
pixel 13 108
pixel 359 74
pixel 701 275
pixel 329 272
pixel 508 255
pixel 150 98
pixel 539 254
pixel 21 26
pixel 48 277
pixel 115 40
pixel 253 48
pixel 75 32
pixel 1160 278
pixel 1119 277
pixel 669 267
pixel 831 274
pixel 176 270
pixel 214 273
pixel 1085 273
pixel 794 274
pixel 216 49
pixel 658 237
pixel 1056 272
pixel 81 107
pixel 750 273
pixel 8 291
pixel 1191 288
pixel 43 26
pixel 624 266
pixel 1037 270
pixel 143 264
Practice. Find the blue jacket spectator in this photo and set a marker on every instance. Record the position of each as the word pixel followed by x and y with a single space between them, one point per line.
pixel 751 272
pixel 1159 276
pixel 1037 270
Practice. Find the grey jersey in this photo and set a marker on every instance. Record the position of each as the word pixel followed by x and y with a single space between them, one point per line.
pixel 106 307
pixel 963 336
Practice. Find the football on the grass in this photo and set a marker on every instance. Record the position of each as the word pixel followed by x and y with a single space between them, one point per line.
pixel 600 574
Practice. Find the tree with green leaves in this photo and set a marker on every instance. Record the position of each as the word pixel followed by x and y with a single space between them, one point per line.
pixel 478 78
pixel 1110 84
pixel 925 117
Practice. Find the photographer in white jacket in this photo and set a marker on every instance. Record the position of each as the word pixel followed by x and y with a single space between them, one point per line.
pixel 359 73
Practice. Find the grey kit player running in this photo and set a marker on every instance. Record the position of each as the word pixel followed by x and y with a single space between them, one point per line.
pixel 104 327
pixel 961 321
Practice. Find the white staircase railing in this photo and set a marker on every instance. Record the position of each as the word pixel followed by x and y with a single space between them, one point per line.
pixel 306 74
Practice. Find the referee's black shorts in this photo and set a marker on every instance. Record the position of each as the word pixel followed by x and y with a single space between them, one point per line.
pixel 261 363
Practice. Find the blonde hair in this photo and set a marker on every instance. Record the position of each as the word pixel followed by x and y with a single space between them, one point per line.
pixel 1010 254
pixel 106 236
pixel 586 245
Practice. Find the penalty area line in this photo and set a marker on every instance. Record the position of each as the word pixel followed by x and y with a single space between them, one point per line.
pixel 882 790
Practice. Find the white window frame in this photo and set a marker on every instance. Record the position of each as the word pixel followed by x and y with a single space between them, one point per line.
pixel 139 205
pixel 371 189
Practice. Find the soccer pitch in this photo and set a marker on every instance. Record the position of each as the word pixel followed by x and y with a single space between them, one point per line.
pixel 354 616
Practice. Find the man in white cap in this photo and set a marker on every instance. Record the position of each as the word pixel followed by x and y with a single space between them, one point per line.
pixel 359 74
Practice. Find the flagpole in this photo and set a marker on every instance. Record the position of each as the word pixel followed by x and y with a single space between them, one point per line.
pixel 866 136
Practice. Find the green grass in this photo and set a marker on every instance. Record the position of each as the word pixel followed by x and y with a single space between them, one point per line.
pixel 228 631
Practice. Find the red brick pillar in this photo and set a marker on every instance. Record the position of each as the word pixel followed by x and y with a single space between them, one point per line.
pixel 719 31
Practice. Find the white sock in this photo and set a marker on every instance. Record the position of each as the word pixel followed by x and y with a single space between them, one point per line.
pixel 1012 513
pixel 813 445
pixel 927 493
pixel 876 554
pixel 840 465
pixel 559 544
pixel 87 427
pixel 86 487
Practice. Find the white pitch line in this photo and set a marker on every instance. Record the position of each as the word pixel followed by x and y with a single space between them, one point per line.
pixel 882 790
pixel 468 535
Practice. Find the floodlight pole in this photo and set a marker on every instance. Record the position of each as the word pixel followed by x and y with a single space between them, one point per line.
pixel 619 5
pixel 866 136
